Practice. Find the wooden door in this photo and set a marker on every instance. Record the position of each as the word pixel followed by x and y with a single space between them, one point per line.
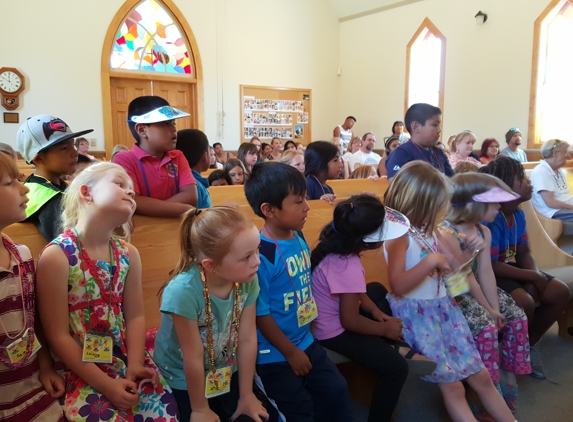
pixel 123 91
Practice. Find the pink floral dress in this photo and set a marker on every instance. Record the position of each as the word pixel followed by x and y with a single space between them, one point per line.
pixel 81 402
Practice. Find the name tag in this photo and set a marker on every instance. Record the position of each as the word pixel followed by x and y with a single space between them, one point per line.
pixel 306 312
pixel 18 350
pixel 97 349
pixel 218 383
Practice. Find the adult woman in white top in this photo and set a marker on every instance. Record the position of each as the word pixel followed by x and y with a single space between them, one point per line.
pixel 551 196
pixel 463 146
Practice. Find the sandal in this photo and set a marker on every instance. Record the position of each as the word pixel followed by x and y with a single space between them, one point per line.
pixel 416 366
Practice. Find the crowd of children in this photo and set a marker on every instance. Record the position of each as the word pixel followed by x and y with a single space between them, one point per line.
pixel 247 313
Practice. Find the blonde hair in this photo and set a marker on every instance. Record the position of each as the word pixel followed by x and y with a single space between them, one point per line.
pixel 460 137
pixel 362 172
pixel 352 142
pixel 117 149
pixel 73 204
pixel 420 192
pixel 465 186
pixel 465 167
pixel 8 150
pixel 8 166
pixel 289 155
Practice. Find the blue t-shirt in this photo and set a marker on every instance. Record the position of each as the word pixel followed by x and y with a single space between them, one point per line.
pixel 203 195
pixel 504 237
pixel 409 151
pixel 314 190
pixel 184 296
pixel 277 296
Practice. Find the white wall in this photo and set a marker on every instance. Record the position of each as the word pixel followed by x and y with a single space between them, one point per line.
pixel 488 67
pixel 58 49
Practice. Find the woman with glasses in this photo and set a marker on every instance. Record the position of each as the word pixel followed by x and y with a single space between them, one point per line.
pixel 551 196
pixel 489 150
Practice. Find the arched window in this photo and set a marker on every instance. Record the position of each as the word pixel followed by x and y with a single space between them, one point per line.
pixel 149 49
pixel 552 75
pixel 425 65
pixel 149 39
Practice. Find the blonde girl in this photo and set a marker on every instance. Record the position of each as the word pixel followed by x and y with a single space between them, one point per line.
pixel 463 145
pixel 90 298
pixel 365 172
pixel 207 330
pixel 294 159
pixel 486 307
pixel 433 324
pixel 26 371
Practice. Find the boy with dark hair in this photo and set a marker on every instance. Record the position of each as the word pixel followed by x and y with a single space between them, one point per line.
pixel 344 131
pixel 162 180
pixel 423 123
pixel 195 146
pixel 48 143
pixel 294 369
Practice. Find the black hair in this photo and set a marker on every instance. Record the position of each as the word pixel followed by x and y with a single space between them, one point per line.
pixel 216 175
pixel 317 156
pixel 272 182
pixel 142 105
pixel 83 159
pixel 420 112
pixel 351 117
pixel 263 146
pixel 505 169
pixel 193 144
pixel 217 144
pixel 397 122
pixel 353 219
pixel 287 143
pixel 388 142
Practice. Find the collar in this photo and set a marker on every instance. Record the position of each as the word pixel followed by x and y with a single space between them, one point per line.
pixel 203 180
pixel 140 154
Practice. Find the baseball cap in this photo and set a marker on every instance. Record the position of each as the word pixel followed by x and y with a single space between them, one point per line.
pixel 41 132
pixel 160 114
pixel 395 225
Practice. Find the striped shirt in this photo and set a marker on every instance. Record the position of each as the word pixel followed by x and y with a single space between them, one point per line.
pixel 22 396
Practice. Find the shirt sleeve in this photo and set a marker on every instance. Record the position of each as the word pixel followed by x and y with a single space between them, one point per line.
pixel 344 275
pixel 522 237
pixel 48 222
pixel 448 170
pixel 127 160
pixel 184 171
pixel 264 278
pixel 396 160
pixel 179 298
pixel 312 190
pixel 496 234
pixel 252 290
pixel 541 180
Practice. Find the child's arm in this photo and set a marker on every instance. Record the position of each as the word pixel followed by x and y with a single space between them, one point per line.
pixel 193 366
pixel 248 404
pixel 401 281
pixel 52 381
pixel 157 208
pixel 52 293
pixel 187 195
pixel 526 271
pixel 296 358
pixel 485 272
pixel 351 320
pixel 135 321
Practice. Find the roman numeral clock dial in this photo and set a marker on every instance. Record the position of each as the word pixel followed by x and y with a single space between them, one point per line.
pixel 11 85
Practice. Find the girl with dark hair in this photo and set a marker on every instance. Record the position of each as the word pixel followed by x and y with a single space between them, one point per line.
pixel 489 150
pixel 247 153
pixel 322 162
pixel 265 150
pixel 354 318
pixel 289 145
pixel 390 145
pixel 398 131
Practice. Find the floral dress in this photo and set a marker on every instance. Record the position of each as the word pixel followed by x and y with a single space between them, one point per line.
pixel 81 402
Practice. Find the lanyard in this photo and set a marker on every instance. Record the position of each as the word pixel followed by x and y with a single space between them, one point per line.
pixel 90 294
pixel 433 152
pixel 233 327
pixel 307 276
pixel 508 252
pixel 423 242
pixel 322 187
pixel 173 169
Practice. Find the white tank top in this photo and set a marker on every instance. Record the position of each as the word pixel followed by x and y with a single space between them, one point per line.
pixel 430 288
pixel 345 137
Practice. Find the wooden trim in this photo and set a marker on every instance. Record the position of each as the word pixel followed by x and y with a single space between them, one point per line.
pixel 427 24
pixel 377 10
pixel 107 73
pixel 533 135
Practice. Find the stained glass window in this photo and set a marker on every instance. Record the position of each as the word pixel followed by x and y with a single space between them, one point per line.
pixel 425 69
pixel 150 40
pixel 554 80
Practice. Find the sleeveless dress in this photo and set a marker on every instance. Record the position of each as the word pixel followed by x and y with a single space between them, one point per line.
pixel 434 326
pixel 81 402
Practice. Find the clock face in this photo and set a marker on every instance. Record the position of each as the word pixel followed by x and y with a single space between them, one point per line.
pixel 10 81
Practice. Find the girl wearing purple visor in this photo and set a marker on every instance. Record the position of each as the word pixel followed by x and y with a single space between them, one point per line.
pixel 354 318
pixel 486 307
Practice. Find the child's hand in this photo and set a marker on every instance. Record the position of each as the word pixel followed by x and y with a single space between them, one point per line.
pixel 250 406
pixel 122 393
pixel 53 383
pixel 299 362
pixel 439 261
pixel 476 242
pixel 139 372
pixel 498 318
pixel 329 197
pixel 206 415
pixel 382 317
pixel 540 282
pixel 393 330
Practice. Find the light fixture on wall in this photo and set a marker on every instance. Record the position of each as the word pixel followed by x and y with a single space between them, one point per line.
pixel 481 17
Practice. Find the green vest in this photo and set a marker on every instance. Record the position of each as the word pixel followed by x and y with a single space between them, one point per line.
pixel 41 191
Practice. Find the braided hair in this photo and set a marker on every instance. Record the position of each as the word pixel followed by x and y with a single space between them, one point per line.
pixel 506 169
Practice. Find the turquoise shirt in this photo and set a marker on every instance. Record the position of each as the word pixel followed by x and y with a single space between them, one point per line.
pixel 203 195
pixel 184 296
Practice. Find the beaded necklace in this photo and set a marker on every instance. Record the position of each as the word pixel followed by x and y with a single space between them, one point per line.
pixel 424 244
pixel 233 329
pixel 508 252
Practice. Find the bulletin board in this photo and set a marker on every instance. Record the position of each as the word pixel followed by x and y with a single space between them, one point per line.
pixel 269 112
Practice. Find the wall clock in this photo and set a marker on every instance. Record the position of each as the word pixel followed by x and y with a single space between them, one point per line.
pixel 12 83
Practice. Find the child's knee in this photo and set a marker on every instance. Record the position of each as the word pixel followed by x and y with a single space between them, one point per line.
pixel 556 293
pixel 482 378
